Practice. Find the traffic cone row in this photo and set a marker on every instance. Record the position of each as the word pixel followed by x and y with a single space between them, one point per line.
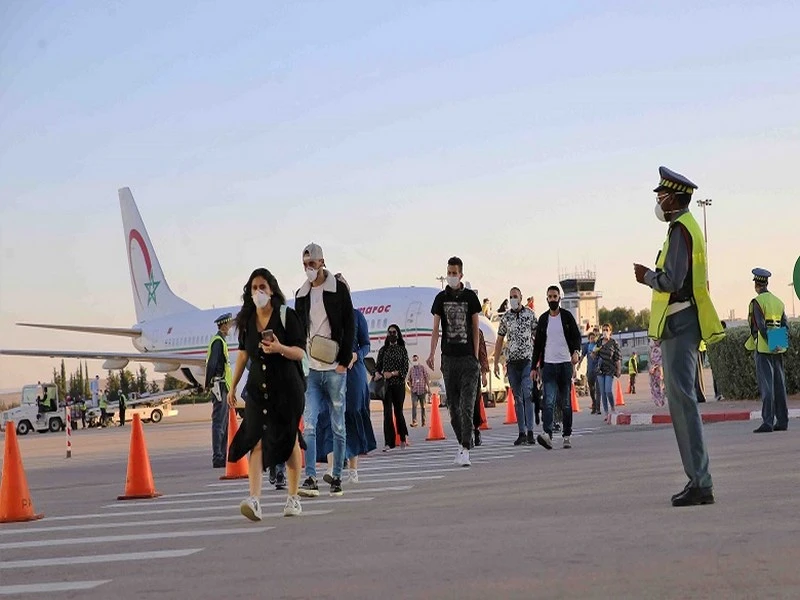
pixel 619 399
pixel 240 468
pixel 139 481
pixel 511 414
pixel 436 431
pixel 15 498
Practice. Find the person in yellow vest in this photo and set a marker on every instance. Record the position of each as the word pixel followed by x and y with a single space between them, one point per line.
pixel 103 403
pixel 681 315
pixel 218 379
pixel 633 369
pixel 767 318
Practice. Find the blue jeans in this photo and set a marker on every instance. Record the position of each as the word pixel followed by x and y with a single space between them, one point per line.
pixel 519 378
pixel 772 386
pixel 330 387
pixel 605 388
pixel 557 379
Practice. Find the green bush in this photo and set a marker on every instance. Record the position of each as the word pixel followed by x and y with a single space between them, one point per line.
pixel 734 367
pixel 194 398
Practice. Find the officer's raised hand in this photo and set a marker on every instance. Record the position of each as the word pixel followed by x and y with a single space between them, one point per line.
pixel 640 271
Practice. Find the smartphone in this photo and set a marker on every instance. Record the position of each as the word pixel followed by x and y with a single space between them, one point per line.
pixel 268 335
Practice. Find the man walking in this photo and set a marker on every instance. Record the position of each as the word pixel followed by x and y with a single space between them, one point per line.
pixel 456 309
pixel 587 353
pixel 325 309
pixel 556 349
pixel 219 380
pixel 419 383
pixel 633 369
pixel 769 341
pixel 517 330
pixel 682 314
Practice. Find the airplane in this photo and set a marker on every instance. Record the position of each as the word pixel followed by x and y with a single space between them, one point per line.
pixel 173 335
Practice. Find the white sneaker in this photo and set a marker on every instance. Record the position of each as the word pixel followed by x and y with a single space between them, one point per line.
pixel 545 440
pixel 292 508
pixel 457 459
pixel 567 443
pixel 462 460
pixel 353 476
pixel 251 508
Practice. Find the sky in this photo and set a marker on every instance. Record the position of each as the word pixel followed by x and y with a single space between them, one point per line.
pixel 523 136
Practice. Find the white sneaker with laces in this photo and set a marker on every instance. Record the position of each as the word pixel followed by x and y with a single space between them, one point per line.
pixel 457 459
pixel 567 443
pixel 353 476
pixel 463 458
pixel 251 508
pixel 292 508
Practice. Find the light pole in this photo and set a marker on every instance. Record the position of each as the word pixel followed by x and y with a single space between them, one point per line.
pixel 705 203
pixel 794 314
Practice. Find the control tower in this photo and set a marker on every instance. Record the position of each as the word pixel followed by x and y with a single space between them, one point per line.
pixel 580 298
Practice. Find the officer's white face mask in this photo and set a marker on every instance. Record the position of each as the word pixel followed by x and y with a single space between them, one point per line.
pixel 660 214
pixel 261 299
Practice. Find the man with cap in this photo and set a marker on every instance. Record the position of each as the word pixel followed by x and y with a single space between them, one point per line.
pixel 681 315
pixel 766 316
pixel 325 309
pixel 218 379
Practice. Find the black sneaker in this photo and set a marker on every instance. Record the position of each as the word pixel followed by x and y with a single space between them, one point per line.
pixel 280 481
pixel 520 440
pixel 309 488
pixel 272 476
pixel 477 434
pixel 336 487
pixel 530 440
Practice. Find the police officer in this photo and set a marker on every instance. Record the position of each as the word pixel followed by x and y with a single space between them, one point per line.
pixel 681 315
pixel 121 404
pixel 82 410
pixel 766 313
pixel 219 379
pixel 103 407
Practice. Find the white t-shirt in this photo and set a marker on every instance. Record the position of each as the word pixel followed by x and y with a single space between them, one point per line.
pixel 556 349
pixel 319 326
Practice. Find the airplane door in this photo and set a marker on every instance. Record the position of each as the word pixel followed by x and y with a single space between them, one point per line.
pixel 412 318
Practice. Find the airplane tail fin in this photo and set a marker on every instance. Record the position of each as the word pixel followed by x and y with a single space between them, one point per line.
pixel 152 296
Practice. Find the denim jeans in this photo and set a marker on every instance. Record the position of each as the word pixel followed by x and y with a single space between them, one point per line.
pixel 605 387
pixel 329 387
pixel 219 423
pixel 421 398
pixel 557 379
pixel 519 378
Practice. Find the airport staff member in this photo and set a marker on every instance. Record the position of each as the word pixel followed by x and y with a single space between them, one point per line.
pixel 121 404
pixel 682 314
pixel 219 380
pixel 767 313
pixel 94 387
pixel 633 369
pixel 103 406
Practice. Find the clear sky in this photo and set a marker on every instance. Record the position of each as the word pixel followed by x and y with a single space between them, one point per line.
pixel 519 135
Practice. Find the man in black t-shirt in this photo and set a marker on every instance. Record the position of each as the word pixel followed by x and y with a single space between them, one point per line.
pixel 456 309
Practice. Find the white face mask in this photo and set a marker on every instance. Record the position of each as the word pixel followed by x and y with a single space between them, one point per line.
pixel 514 303
pixel 453 281
pixel 261 298
pixel 660 214
pixel 415 361
pixel 312 274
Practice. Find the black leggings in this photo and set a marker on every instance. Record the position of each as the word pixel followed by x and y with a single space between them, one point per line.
pixel 394 399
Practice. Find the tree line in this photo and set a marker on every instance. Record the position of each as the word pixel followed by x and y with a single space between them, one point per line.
pixel 78 382
pixel 621 318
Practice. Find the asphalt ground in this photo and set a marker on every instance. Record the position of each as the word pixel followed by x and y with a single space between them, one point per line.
pixel 593 521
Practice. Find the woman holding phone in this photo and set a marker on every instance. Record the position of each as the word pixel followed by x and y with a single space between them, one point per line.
pixel 272 338
pixel 392 367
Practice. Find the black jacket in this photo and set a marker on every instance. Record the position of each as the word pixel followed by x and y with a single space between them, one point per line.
pixel 571 333
pixel 338 307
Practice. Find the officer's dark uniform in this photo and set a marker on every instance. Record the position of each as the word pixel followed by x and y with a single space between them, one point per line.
pixel 219 380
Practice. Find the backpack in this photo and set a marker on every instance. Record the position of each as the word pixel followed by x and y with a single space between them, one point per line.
pixel 304 362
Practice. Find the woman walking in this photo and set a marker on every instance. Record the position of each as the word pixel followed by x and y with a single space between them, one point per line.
pixel 609 365
pixel 392 367
pixel 272 338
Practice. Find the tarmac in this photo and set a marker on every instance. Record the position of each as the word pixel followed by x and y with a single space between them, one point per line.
pixel 593 521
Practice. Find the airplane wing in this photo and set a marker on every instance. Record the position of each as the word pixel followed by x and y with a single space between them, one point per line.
pixel 161 359
pixel 133 332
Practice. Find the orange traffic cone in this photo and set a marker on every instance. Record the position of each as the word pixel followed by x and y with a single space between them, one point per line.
pixel 574 400
pixel 436 432
pixel 240 468
pixel 396 431
pixel 484 420
pixel 139 482
pixel 15 498
pixel 619 399
pixel 511 414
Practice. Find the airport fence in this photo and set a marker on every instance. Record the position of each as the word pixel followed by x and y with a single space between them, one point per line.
pixel 734 368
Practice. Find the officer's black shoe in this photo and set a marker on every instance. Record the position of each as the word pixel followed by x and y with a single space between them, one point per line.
pixel 763 429
pixel 688 485
pixel 780 428
pixel 477 435
pixel 219 464
pixel 694 496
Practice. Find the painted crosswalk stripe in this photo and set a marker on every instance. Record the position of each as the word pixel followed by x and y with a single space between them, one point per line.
pixel 166 511
pixel 136 537
pixel 147 523
pixel 99 558
pixel 236 493
pixel 167 498
pixel 58 586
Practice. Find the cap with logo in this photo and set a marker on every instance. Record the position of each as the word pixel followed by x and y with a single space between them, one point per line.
pixel 223 319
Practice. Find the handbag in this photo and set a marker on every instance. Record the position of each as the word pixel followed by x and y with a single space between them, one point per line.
pixel 323 349
pixel 378 388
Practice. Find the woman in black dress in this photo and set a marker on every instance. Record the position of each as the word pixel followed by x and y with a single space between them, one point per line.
pixel 272 338
pixel 392 367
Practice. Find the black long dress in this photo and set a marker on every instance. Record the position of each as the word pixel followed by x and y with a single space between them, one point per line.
pixel 275 393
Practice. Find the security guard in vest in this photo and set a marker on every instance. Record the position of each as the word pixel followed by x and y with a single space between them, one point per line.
pixel 103 407
pixel 633 369
pixel 219 379
pixel 681 315
pixel 767 313
pixel 122 404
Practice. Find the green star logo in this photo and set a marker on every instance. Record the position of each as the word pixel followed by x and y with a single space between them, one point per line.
pixel 151 286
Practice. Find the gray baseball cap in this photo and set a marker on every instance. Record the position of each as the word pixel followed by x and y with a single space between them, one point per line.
pixel 313 252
